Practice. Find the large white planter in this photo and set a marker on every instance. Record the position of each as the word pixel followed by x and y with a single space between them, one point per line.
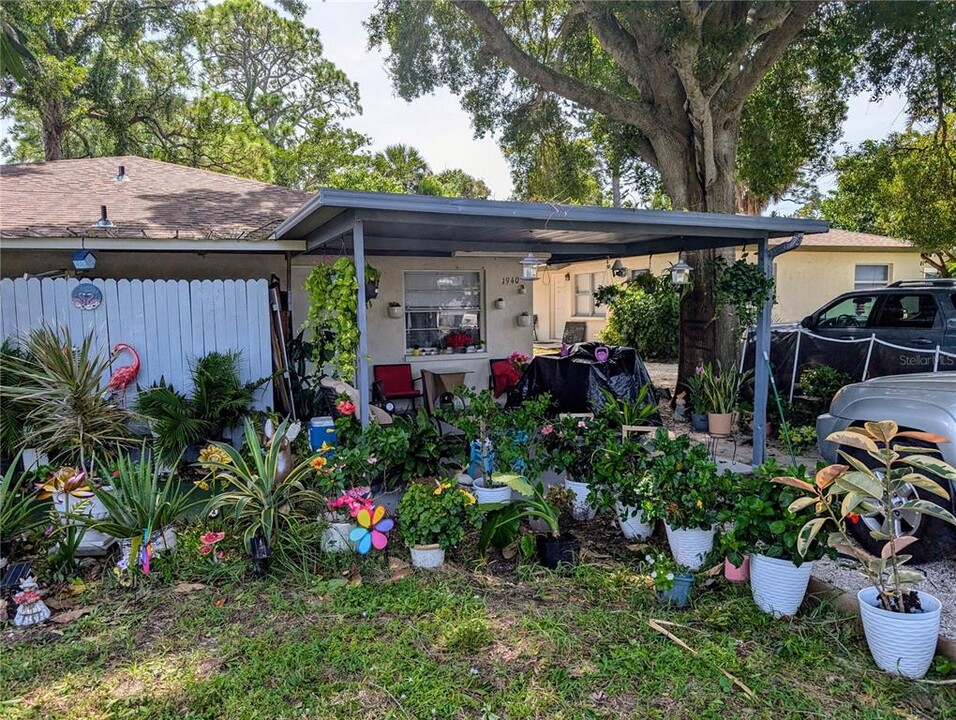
pixel 92 542
pixel 900 643
pixel 690 547
pixel 581 510
pixel 493 494
pixel 632 522
pixel 335 538
pixel 778 586
pixel 428 556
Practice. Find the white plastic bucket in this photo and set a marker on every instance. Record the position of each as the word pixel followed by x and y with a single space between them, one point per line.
pixel 690 547
pixel 778 586
pixel 631 521
pixel 581 509
pixel 900 643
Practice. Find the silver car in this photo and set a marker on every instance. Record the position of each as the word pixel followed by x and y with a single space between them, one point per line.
pixel 922 401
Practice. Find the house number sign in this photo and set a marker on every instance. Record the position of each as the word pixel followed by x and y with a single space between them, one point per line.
pixel 516 280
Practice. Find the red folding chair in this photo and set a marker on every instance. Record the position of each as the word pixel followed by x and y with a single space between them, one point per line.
pixel 503 376
pixel 396 383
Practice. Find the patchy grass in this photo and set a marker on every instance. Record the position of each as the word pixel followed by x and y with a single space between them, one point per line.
pixel 447 645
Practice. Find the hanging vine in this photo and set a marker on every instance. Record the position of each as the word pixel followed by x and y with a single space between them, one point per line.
pixel 333 315
pixel 744 287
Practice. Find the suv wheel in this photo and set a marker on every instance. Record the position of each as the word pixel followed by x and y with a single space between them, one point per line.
pixel 937 539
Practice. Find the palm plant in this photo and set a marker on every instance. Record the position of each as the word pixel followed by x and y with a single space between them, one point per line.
pixel 171 418
pixel 67 411
pixel 17 508
pixel 258 499
pixel 138 501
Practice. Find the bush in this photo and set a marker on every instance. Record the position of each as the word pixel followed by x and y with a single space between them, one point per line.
pixel 436 513
pixel 821 383
pixel 648 320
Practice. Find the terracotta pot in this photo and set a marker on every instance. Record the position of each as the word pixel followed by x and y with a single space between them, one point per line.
pixel 720 424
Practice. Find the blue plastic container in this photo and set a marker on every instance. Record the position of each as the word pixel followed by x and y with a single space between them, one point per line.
pixel 680 592
pixel 322 430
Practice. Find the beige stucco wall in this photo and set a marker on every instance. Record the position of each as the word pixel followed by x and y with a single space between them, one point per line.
pixel 500 330
pixel 806 279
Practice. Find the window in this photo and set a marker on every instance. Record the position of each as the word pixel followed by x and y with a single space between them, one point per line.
pixel 908 311
pixel 848 313
pixel 866 277
pixel 584 286
pixel 442 309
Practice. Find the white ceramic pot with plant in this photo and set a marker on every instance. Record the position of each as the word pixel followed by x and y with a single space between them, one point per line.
pixel 335 537
pixel 778 586
pixel 394 310
pixel 491 491
pixel 583 509
pixel 434 517
pixel 690 546
pixel 631 521
pixel 901 624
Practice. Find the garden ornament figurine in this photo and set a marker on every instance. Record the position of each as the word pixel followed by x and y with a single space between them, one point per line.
pixel 30 607
pixel 286 462
pixel 125 375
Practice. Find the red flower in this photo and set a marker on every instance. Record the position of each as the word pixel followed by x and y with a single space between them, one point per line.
pixel 854 518
pixel 345 407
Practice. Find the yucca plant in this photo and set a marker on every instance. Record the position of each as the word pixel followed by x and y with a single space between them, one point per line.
pixel 257 499
pixel 138 500
pixel 18 505
pixel 67 411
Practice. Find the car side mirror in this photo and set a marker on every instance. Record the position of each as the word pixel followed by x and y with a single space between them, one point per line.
pixel 807 322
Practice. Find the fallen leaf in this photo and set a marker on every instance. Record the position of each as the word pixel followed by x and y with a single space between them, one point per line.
pixel 184 588
pixel 398 569
pixel 58 604
pixel 220 602
pixel 71 615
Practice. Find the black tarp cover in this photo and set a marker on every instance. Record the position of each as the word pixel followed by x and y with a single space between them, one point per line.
pixel 575 381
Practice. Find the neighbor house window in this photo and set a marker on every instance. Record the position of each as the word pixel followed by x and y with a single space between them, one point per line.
pixel 867 277
pixel 442 309
pixel 584 286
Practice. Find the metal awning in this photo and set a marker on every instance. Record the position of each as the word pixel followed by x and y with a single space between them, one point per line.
pixel 366 223
pixel 423 225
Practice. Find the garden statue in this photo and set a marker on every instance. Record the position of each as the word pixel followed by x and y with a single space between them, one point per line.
pixel 30 607
pixel 125 375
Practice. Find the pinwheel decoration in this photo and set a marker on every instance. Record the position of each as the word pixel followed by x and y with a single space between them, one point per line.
pixel 371 530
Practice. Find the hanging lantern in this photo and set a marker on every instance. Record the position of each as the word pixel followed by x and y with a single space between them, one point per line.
pixel 529 267
pixel 680 272
pixel 618 269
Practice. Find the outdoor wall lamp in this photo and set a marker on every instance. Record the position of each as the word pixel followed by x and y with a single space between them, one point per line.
pixel 529 267
pixel 83 260
pixel 680 272
pixel 618 269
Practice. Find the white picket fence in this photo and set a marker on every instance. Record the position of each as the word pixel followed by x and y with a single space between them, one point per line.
pixel 170 323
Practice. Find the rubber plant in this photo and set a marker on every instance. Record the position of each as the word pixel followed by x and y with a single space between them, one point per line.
pixel 333 314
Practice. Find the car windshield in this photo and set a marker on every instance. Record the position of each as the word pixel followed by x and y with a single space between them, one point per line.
pixel 853 311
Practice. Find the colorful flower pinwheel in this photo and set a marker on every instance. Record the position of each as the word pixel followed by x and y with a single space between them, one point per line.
pixel 371 530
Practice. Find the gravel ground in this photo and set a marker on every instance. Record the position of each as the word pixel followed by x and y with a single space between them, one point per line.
pixel 940 575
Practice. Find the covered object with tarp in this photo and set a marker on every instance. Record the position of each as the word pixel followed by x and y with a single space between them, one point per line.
pixel 577 380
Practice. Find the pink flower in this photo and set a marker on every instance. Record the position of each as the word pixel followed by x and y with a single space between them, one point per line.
pixel 220 555
pixel 205 549
pixel 582 424
pixel 211 538
pixel 372 459
pixel 346 407
pixel 547 429
pixel 699 369
pixel 116 473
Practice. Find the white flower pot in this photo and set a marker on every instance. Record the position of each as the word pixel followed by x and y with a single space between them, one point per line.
pixel 690 547
pixel 493 494
pixel 335 538
pixel 900 643
pixel 92 542
pixel 581 510
pixel 395 311
pixel 778 586
pixel 428 556
pixel 632 522
pixel 165 539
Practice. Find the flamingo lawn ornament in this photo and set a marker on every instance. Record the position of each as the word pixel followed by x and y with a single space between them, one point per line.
pixel 125 375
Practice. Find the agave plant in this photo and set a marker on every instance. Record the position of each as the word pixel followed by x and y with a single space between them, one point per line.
pixel 67 410
pixel 842 493
pixel 17 505
pixel 257 498
pixel 137 501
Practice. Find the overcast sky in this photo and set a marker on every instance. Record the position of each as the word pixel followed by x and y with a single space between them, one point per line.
pixel 441 130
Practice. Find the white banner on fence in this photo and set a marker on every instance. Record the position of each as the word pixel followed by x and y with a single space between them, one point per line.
pixel 170 323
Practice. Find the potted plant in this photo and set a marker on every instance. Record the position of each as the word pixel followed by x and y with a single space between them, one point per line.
pixel 687 494
pixel 553 546
pixel 491 489
pixel 901 623
pixel 666 577
pixel 698 400
pixel 764 526
pixel 342 510
pixel 572 442
pixel 524 319
pixel 261 498
pixel 621 481
pixel 394 310
pixel 721 390
pixel 434 517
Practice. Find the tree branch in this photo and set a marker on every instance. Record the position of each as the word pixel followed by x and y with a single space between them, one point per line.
pixel 501 45
pixel 619 44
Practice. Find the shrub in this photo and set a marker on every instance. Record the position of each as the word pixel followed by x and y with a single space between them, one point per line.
pixel 822 383
pixel 436 513
pixel 648 320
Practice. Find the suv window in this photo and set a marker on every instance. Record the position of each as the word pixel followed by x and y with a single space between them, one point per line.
pixel 908 311
pixel 853 311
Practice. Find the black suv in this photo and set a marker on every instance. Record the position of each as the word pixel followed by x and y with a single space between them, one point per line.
pixel 912 313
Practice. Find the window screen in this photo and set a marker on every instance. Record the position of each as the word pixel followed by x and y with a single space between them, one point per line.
pixel 871 276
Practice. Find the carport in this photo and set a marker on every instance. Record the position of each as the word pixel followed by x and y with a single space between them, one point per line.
pixel 382 224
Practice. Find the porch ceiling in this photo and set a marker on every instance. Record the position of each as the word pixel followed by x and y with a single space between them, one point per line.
pixel 430 226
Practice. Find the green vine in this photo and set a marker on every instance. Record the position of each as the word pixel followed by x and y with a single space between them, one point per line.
pixel 744 287
pixel 333 315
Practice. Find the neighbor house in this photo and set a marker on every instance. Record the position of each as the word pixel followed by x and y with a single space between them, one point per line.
pixel 824 266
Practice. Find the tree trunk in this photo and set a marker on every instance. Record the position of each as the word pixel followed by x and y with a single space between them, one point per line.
pixel 55 126
pixel 615 188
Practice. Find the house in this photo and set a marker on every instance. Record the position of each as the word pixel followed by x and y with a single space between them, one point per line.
pixel 825 265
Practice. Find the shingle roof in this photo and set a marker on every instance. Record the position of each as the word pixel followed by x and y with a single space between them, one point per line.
pixel 838 238
pixel 160 200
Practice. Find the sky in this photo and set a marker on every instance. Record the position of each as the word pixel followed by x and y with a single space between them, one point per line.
pixel 438 127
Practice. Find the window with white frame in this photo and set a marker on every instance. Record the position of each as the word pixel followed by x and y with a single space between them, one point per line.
pixel 442 309
pixel 867 277
pixel 584 286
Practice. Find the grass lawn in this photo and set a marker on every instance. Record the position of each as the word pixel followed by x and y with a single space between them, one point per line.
pixel 522 643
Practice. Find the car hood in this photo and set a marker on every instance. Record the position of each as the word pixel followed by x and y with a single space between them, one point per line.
pixel 932 382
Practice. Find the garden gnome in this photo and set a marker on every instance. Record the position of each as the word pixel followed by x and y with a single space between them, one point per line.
pixel 30 608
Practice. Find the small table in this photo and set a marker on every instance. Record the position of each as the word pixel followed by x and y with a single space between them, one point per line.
pixel 437 382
